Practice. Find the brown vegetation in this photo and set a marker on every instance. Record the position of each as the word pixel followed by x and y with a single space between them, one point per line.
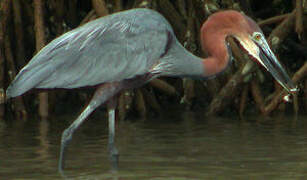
pixel 40 21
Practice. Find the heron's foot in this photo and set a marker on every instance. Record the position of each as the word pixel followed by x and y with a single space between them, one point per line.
pixel 114 156
pixel 66 138
pixel 61 172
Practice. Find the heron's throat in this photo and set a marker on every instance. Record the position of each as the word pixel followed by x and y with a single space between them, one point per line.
pixel 215 44
pixel 214 66
pixel 219 59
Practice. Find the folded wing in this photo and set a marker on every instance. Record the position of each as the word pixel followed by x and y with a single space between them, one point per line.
pixel 108 49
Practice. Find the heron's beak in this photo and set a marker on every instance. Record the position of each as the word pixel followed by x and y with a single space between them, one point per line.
pixel 262 53
pixel 267 59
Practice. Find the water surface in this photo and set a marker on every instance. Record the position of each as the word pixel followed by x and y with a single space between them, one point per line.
pixel 178 145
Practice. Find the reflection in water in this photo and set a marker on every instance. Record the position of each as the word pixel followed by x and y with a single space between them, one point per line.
pixel 42 149
pixel 182 145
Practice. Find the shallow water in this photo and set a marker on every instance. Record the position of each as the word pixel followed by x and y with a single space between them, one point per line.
pixel 178 145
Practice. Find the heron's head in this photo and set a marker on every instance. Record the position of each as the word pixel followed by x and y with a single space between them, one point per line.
pixel 250 37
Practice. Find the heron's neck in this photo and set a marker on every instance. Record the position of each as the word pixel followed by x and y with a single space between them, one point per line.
pixel 180 62
pixel 215 45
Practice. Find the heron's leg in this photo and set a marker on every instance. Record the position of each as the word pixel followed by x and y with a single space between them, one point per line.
pixel 113 152
pixel 102 94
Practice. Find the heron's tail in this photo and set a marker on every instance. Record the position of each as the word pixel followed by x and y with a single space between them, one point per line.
pixel 26 79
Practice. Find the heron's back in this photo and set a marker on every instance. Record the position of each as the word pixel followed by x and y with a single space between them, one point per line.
pixel 112 48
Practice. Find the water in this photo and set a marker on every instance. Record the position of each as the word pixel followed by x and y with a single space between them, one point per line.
pixel 180 145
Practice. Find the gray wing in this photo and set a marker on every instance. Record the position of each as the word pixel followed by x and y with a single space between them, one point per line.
pixel 109 49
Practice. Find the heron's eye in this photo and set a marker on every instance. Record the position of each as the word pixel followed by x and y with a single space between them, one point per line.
pixel 257 37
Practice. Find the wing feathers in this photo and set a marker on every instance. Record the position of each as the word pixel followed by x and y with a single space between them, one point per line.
pixel 113 48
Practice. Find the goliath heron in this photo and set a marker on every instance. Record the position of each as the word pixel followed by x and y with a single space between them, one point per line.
pixel 129 48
